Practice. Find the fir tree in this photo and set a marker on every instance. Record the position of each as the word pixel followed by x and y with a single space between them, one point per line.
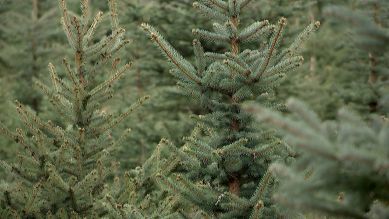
pixel 335 56
pixel 370 29
pixel 7 147
pixel 30 35
pixel 342 167
pixel 223 166
pixel 165 116
pixel 63 168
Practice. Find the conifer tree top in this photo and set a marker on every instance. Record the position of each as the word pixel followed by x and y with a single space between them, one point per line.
pixel 62 171
pixel 223 167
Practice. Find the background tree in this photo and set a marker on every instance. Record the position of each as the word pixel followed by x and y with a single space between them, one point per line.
pixel 324 81
pixel 167 116
pixel 342 167
pixel 30 34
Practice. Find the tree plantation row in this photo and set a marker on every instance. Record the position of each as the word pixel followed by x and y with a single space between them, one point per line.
pixel 194 109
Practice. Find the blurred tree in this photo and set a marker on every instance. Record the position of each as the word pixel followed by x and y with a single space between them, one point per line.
pixel 167 116
pixel 334 57
pixel 30 35
pixel 342 168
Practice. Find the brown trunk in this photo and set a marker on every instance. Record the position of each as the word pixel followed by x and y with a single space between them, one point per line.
pixel 234 186
pixel 139 87
pixel 78 61
pixel 234 41
pixel 376 9
pixel 373 71
pixel 34 68
pixel 235 125
pixel 373 77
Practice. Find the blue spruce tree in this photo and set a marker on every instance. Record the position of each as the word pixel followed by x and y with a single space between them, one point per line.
pixel 223 166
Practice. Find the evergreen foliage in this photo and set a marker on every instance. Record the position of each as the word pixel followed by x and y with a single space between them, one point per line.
pixel 7 148
pixel 342 167
pixel 63 168
pixel 223 167
pixel 335 56
pixel 74 154
pixel 370 31
pixel 30 35
pixel 166 116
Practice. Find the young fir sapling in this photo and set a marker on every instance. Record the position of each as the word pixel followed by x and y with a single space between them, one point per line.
pixel 63 167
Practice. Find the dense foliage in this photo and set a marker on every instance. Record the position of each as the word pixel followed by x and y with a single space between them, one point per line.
pixel 194 109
